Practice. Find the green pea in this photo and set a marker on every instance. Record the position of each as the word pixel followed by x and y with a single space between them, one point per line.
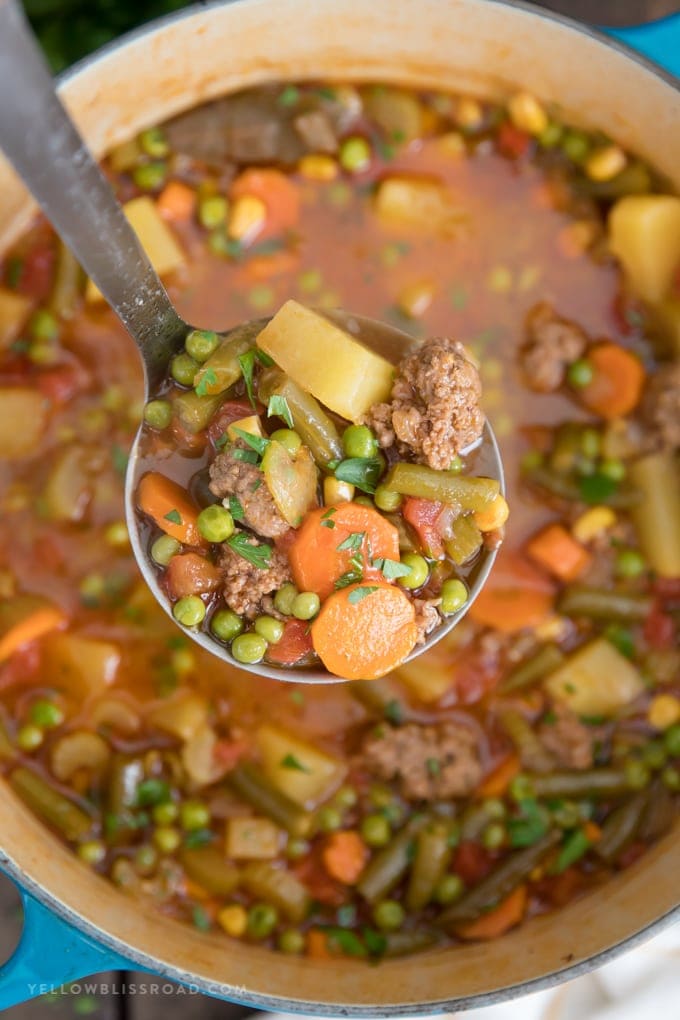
pixel 248 648
pixel 521 788
pixel 580 374
pixel 671 739
pixel 670 777
pixel 201 343
pixel 46 714
pixel 296 849
pixel 355 154
pixel 359 441
pixel 388 915
pixel 493 836
pixel 567 814
pixel 613 468
pixel 637 774
pixel 449 889
pixel 44 327
pixel 269 628
pixel 629 563
pixel 454 595
pixel 189 611
pixel 158 414
pixel 165 814
pixel 575 145
pixel 150 176
pixel 387 499
pixel 654 754
pixel 167 839
pixel 376 830
pixel 456 465
pixel 92 852
pixel 284 599
pixel 30 737
pixel 306 605
pixel 288 439
pixel 364 501
pixel 261 297
pixel 163 549
pixel 591 443
pixel 329 819
pixel 346 797
pixel 215 523
pixel 551 135
pixel 146 859
pixel 43 352
pixel 183 369
pixel 154 143
pixel 291 941
pixel 262 919
pixel 418 571
pixel 212 211
pixel 494 808
pixel 194 814
pixel 226 625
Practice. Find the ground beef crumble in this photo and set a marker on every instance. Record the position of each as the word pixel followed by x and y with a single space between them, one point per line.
pixel 567 738
pixel 551 344
pixel 427 617
pixel 433 412
pixel 245 585
pixel 232 477
pixel 661 409
pixel 430 762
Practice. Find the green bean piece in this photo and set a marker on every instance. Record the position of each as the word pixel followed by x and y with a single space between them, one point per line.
pixel 634 179
pixel 223 369
pixel 512 871
pixel 432 856
pixel 474 820
pixel 125 775
pixel 566 449
pixel 278 887
pixel 208 867
pixel 566 487
pixel 66 285
pixel 532 670
pixel 595 783
pixel 255 788
pixel 466 540
pixel 310 421
pixel 657 516
pixel 403 943
pixel 425 483
pixel 602 604
pixel 383 697
pixel 51 806
pixel 532 752
pixel 620 828
pixel 194 412
pixel 389 866
pixel 659 812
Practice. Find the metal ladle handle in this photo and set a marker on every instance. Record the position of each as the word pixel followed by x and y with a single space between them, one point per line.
pixel 41 141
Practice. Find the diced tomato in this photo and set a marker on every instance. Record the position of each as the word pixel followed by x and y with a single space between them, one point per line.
pixel 668 590
pixel 560 889
pixel 229 412
pixel 61 383
pixel 312 873
pixel 511 141
pixel 48 554
pixel 472 862
pixel 424 517
pixel 191 574
pixel 228 752
pixel 473 680
pixel 294 645
pixel 659 628
pixel 21 667
pixel 36 272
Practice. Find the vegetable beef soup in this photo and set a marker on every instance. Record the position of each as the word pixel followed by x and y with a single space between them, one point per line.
pixel 536 750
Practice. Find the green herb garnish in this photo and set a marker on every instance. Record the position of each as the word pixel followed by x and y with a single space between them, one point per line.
pixel 349 577
pixel 394 712
pixel 363 472
pixel 247 456
pixel 596 488
pixel 208 379
pixel 258 555
pixel 173 516
pixel 289 761
pixel 353 541
pixel 278 408
pixel 247 363
pixel 151 792
pixel 236 508
pixel 289 96
pixel 391 568
pixel 347 941
pixel 359 594
pixel 257 443
pixel 530 826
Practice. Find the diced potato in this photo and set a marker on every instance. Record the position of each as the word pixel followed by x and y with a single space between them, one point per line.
pixel 326 361
pixel 254 839
pixel 23 417
pixel 199 759
pixel 431 676
pixel 596 680
pixel 82 665
pixel 423 203
pixel 644 233
pixel 14 311
pixel 80 750
pixel 399 114
pixel 657 516
pixel 303 773
pixel 181 716
pixel 155 237
pixel 291 480
pixel 251 425
pixel 68 489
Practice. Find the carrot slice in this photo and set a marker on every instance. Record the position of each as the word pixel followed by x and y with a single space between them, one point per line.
pixel 556 550
pixel 498 781
pixel 170 507
pixel 516 595
pixel 317 944
pixel 364 631
pixel 345 855
pixel 315 559
pixel 25 619
pixel 616 386
pixel 264 267
pixel 191 574
pixel 176 201
pixel 506 915
pixel 295 644
pixel 278 192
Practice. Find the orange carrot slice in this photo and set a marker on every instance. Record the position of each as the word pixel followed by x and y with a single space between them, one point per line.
pixel 616 386
pixel 170 507
pixel 344 856
pixel 176 201
pixel 506 915
pixel 24 619
pixel 498 781
pixel 516 595
pixel 556 550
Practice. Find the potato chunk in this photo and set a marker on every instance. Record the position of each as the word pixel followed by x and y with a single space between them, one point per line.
pixel 14 311
pixel 302 772
pixel 291 480
pixel 252 839
pixel 421 203
pixel 23 417
pixel 596 680
pixel 326 361
pixel 644 233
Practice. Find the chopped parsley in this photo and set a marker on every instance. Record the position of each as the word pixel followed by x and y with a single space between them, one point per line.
pixel 575 846
pixel 433 766
pixel 236 508
pixel 289 96
pixel 329 513
pixel 391 568
pixel 258 555
pixel 119 459
pixel 346 941
pixel 289 761
pixel 327 524
pixel 359 594
pixel 596 488
pixel 198 837
pixel 173 516
pixel 353 541
pixel 363 472
pixel 349 577
pixel 394 712
pixel 278 408
pixel 531 825
pixel 257 443
pixel 247 456
pixel 200 917
pixel 247 363
pixel 151 792
pixel 208 379
pixel 256 485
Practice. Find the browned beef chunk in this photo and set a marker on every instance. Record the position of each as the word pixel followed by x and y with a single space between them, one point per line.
pixel 232 477
pixel 552 343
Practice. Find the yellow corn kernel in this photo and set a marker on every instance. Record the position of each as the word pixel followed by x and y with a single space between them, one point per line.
pixel 233 919
pixel 664 711
pixel 499 280
pixel 469 113
pixel 415 298
pixel 492 516
pixel 555 628
pixel 527 114
pixel 592 523
pixel 335 491
pixel 318 167
pixel 246 217
pixel 452 144
pixel 605 163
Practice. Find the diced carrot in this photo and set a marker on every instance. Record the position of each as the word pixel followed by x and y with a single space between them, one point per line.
pixel 317 944
pixel 616 386
pixel 278 192
pixel 497 783
pixel 364 631
pixel 295 644
pixel 493 516
pixel 319 884
pixel 559 552
pixel 24 619
pixel 263 267
pixel 191 574
pixel 170 507
pixel 345 855
pixel 176 201
pixel 592 831
pixel 423 516
pixel 315 559
pixel 502 918
pixel 515 595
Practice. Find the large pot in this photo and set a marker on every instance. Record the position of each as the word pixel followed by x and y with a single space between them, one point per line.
pixel 75 922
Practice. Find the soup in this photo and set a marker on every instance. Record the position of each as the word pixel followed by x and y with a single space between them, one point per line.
pixel 532 753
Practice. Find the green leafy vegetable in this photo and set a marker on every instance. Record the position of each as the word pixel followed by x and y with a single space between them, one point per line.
pixel 531 825
pixel 363 472
pixel 359 594
pixel 289 96
pixel 278 408
pixel 349 577
pixel 575 846
pixel 247 363
pixel 173 516
pixel 289 761
pixel 236 508
pixel 257 443
pixel 353 541
pixel 596 488
pixel 258 555
pixel 248 456
pixel 391 568
pixel 208 379
pixel 347 941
